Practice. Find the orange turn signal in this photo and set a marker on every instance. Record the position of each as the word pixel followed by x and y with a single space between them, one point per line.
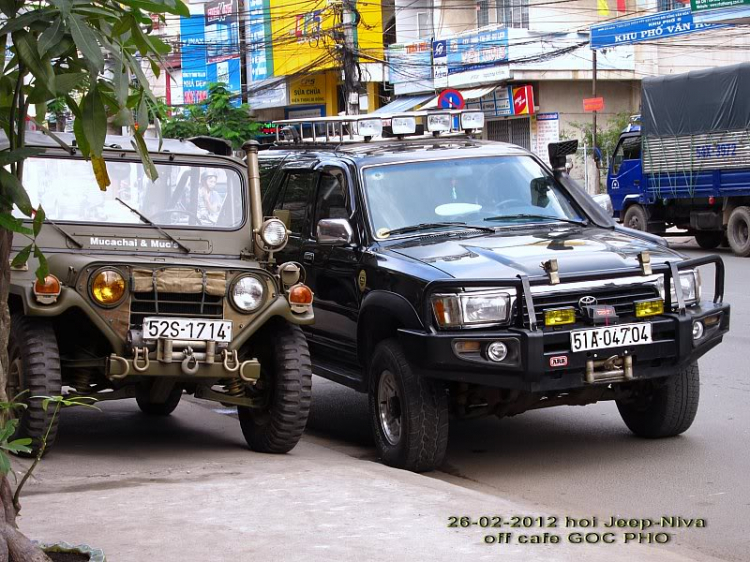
pixel 46 292
pixel 300 294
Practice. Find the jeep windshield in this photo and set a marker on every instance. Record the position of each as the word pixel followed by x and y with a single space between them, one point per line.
pixel 464 193
pixel 183 196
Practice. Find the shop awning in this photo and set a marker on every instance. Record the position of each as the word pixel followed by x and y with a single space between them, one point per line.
pixel 404 103
pixel 468 95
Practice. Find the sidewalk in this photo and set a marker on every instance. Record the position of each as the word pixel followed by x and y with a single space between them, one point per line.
pixel 184 489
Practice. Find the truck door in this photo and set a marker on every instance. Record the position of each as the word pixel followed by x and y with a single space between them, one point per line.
pixel 626 172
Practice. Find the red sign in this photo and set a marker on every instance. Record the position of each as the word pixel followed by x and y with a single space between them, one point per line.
pixel 593 104
pixel 451 99
pixel 558 361
pixel 523 100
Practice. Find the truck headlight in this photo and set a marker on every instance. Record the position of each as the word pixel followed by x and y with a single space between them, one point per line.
pixel 107 287
pixel 274 234
pixel 247 293
pixel 469 309
pixel 690 282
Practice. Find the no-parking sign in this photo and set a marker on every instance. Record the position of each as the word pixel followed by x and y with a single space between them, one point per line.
pixel 451 99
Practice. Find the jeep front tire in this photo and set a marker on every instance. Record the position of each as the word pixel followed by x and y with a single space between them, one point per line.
pixel 408 413
pixel 285 385
pixel 663 408
pixel 34 370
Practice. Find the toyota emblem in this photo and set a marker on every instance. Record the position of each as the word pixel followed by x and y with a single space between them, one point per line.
pixel 587 301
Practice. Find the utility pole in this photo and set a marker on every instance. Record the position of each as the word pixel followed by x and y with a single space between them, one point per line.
pixel 352 87
pixel 593 131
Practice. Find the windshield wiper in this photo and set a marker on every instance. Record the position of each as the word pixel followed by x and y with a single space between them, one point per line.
pixel 59 229
pixel 532 216
pixel 429 225
pixel 149 222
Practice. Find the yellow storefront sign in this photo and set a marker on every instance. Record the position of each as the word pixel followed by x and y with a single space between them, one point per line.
pixel 308 90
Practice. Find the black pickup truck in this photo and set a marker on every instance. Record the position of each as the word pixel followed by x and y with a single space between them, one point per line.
pixel 457 278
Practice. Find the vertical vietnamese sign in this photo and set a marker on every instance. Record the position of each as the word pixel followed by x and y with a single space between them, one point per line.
pixel 192 37
pixel 222 40
pixel 547 131
pixel 258 31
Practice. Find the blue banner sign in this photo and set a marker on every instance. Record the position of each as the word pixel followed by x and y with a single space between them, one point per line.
pixel 646 28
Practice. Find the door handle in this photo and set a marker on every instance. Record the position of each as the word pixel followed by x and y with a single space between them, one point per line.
pixel 308 257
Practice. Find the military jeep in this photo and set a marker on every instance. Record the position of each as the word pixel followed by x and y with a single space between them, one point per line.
pixel 160 288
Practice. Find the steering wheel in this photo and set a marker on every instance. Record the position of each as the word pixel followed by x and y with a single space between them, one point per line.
pixel 194 218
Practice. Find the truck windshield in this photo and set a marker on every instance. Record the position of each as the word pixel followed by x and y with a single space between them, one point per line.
pixel 183 196
pixel 494 191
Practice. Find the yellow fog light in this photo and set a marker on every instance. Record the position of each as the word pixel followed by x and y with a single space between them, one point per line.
pixel 108 287
pixel 649 308
pixel 559 316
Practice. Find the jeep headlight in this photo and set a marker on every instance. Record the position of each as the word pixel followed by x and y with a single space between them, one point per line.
pixel 248 293
pixel 471 309
pixel 274 234
pixel 690 283
pixel 107 287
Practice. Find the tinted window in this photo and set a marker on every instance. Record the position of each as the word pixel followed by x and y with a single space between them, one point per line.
pixel 631 148
pixel 331 200
pixel 296 194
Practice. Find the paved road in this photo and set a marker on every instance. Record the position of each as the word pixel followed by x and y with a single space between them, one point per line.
pixel 583 461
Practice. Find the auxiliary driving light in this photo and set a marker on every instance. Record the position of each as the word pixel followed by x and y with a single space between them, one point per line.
pixel 274 234
pixel 559 316
pixel 497 351
pixel 108 287
pixel 652 307
pixel 698 330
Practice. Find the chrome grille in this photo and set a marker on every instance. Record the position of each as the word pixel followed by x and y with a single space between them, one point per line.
pixel 622 298
pixel 188 305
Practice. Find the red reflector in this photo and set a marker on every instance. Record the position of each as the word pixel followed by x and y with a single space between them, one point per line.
pixel 300 294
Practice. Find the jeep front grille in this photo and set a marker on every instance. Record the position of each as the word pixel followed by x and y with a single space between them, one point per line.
pixel 622 298
pixel 188 305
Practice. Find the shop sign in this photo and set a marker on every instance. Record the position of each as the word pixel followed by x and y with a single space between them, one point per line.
pixel 702 5
pixel 593 104
pixel 308 90
pixel 547 131
pixel 523 100
pixel 477 58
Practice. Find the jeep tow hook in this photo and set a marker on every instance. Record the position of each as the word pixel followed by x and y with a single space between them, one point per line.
pixel 190 364
pixel 142 354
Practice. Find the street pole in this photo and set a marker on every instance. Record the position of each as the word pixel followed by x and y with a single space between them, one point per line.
pixel 351 69
pixel 593 131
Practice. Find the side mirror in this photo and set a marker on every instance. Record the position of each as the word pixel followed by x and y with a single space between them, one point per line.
pixel 604 201
pixel 334 232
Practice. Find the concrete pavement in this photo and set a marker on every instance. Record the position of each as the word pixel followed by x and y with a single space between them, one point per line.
pixel 185 488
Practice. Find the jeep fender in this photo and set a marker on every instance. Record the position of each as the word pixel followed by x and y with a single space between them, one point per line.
pixel 381 315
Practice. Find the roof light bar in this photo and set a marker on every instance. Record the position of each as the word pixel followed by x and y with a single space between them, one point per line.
pixel 439 122
pixel 472 120
pixel 370 127
pixel 403 125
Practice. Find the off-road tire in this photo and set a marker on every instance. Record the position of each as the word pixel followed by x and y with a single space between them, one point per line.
pixel 423 412
pixel 286 369
pixel 143 398
pixel 33 344
pixel 738 231
pixel 636 218
pixel 664 410
pixel 709 240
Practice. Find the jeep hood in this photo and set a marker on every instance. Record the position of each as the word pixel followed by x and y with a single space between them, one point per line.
pixel 507 254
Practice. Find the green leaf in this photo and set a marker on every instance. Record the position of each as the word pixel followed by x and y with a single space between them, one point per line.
pixel 43 269
pixel 9 222
pixel 39 221
pixel 81 140
pixel 26 47
pixel 63 47
pixel 86 41
pixel 159 46
pixel 142 80
pixel 67 82
pixel 19 446
pixel 22 257
pixel 121 26
pixel 94 121
pixel 142 114
pixel 64 6
pixel 7 430
pixel 24 20
pixel 4 463
pixel 9 157
pixel 8 7
pixel 121 84
pixel 148 166
pixel 15 191
pixel 51 36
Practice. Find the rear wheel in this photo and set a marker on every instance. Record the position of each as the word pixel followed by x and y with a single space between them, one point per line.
pixel 285 385
pixel 709 240
pixel 34 370
pixel 408 413
pixel 636 218
pixel 663 408
pixel 738 231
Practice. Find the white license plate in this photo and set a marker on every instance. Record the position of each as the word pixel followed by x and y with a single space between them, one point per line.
pixel 610 336
pixel 187 329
